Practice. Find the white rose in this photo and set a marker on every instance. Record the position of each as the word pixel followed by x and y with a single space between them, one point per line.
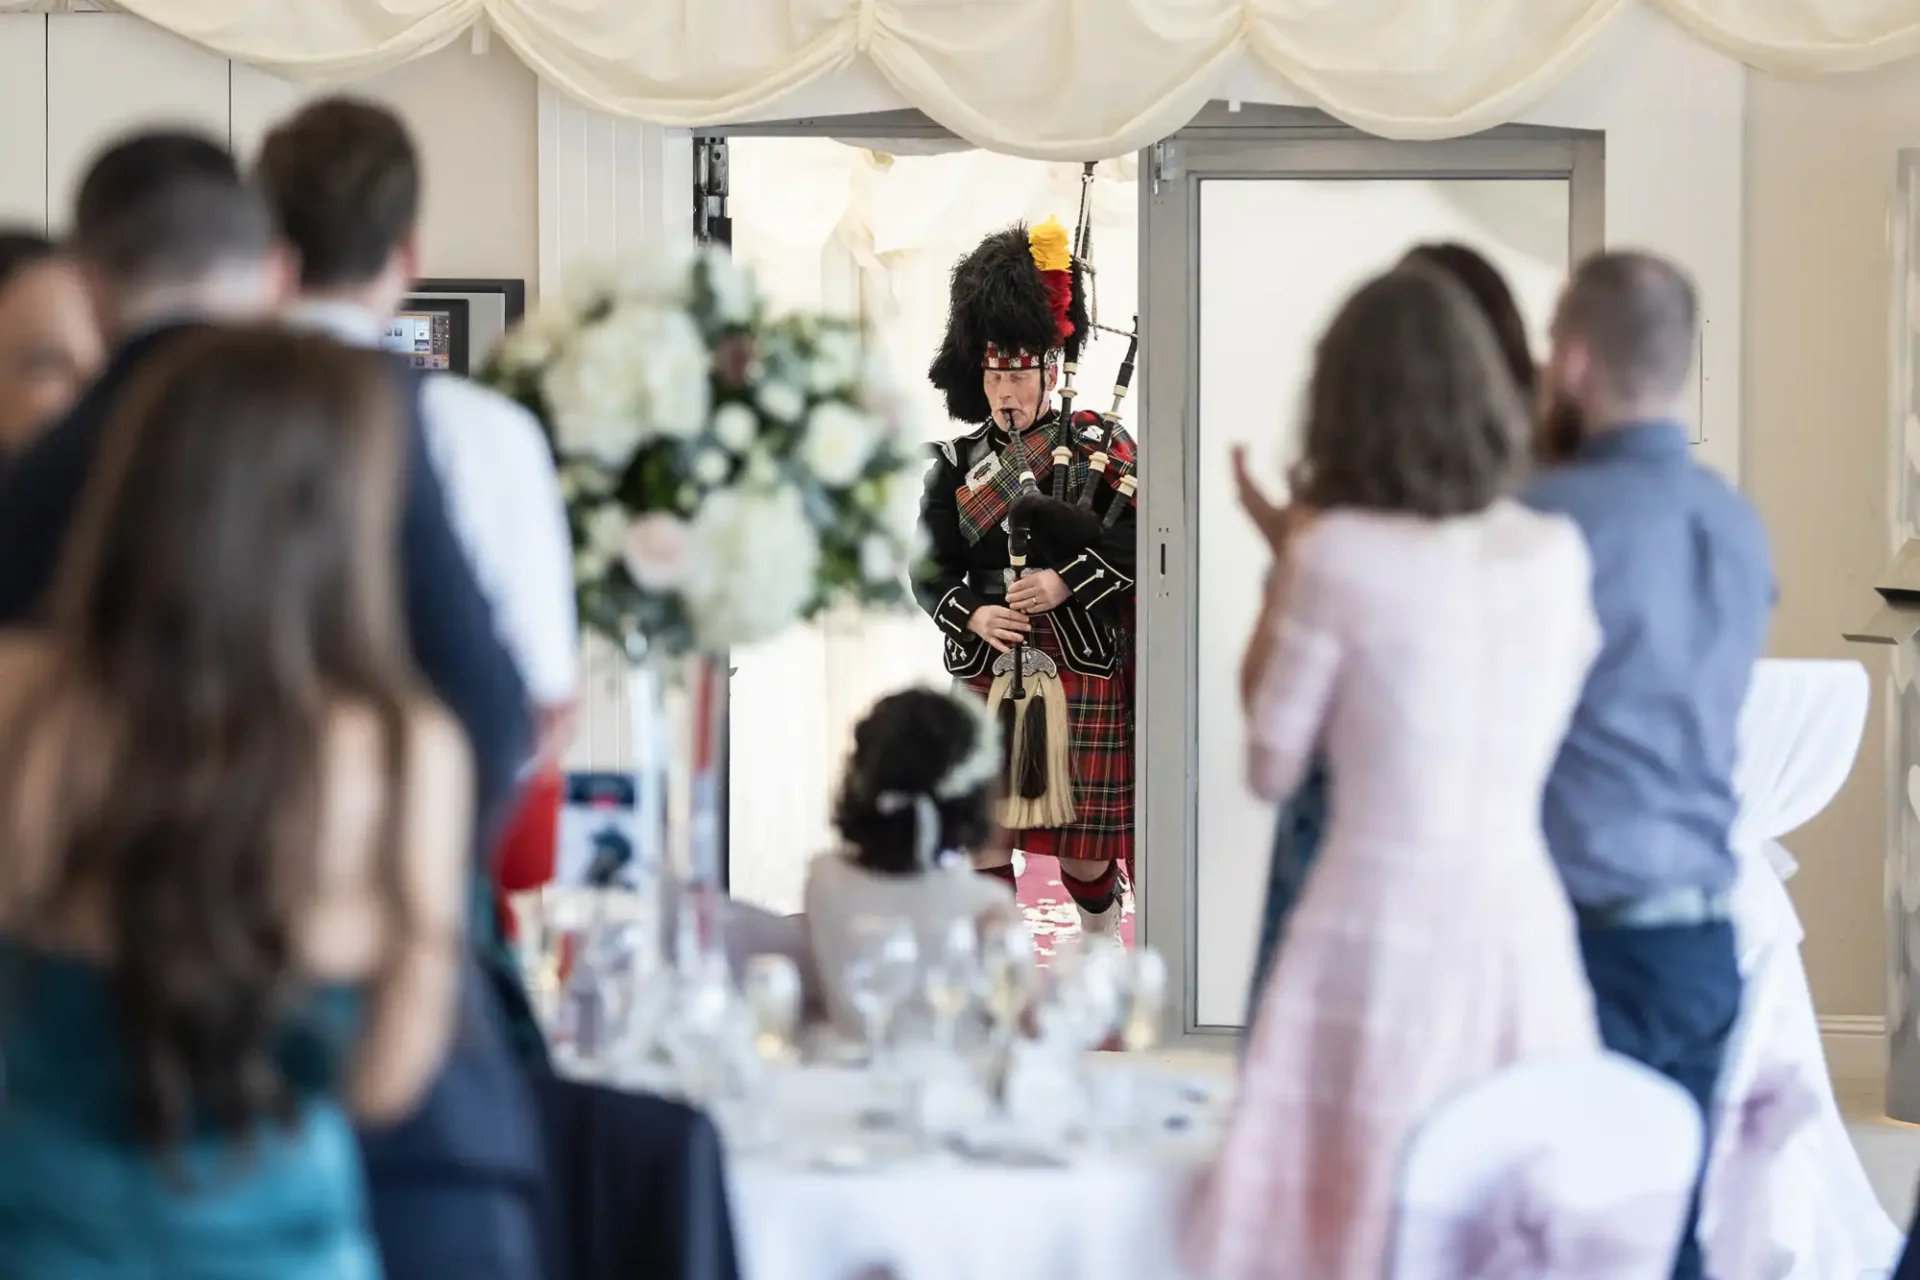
pixel 658 551
pixel 762 470
pixel 880 559
pixel 711 467
pixel 677 373
pixel 781 401
pixel 735 426
pixel 757 559
pixel 588 565
pixel 638 374
pixel 837 443
pixel 590 389
pixel 607 531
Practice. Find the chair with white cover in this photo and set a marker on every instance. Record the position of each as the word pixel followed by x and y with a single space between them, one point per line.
pixel 1799 734
pixel 1560 1169
pixel 1736 1201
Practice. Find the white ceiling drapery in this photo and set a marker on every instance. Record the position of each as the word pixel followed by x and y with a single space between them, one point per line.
pixel 1048 79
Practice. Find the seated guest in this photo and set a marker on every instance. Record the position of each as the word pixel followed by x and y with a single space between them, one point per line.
pixel 914 804
pixel 344 179
pixel 170 238
pixel 1640 805
pixel 1303 815
pixel 49 345
pixel 1433 634
pixel 236 826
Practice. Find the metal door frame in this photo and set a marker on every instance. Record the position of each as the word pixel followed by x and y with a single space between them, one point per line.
pixel 1225 144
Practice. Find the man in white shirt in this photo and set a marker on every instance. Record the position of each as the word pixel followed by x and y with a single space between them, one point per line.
pixel 343 178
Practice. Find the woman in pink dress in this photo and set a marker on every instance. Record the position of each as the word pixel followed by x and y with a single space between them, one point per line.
pixel 1431 636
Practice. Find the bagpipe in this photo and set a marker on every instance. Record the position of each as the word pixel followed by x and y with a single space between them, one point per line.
pixel 1027 695
pixel 1063 521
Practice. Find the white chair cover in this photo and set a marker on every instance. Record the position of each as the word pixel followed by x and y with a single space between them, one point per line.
pixel 1799 733
pixel 1561 1169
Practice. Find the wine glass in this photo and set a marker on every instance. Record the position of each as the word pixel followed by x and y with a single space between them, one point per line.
pixel 882 964
pixel 1146 1000
pixel 773 996
pixel 949 978
pixel 1008 975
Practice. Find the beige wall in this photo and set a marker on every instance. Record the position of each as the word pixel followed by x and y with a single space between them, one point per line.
pixel 476 118
pixel 1819 180
pixel 70 82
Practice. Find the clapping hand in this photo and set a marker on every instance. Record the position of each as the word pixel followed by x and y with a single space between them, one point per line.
pixel 1277 524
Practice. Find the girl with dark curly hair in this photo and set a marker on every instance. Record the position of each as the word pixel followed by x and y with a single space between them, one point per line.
pixel 914 805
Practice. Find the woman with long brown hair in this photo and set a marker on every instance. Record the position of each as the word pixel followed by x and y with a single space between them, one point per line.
pixel 233 895
pixel 1302 821
pixel 1433 635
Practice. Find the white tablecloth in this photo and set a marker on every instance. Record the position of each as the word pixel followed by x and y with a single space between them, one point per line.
pixel 912 1216
pixel 1799 733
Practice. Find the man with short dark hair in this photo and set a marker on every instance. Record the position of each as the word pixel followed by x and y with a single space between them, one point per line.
pixel 343 178
pixel 1639 807
pixel 170 237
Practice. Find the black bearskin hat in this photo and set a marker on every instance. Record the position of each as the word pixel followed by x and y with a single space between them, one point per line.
pixel 999 297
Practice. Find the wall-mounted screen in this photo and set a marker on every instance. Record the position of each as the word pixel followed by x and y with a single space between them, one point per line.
pixel 432 333
pixel 481 310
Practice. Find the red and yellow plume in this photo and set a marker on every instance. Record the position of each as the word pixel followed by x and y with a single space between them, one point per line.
pixel 1047 242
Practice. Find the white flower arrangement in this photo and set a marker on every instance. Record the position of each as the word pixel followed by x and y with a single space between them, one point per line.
pixel 727 472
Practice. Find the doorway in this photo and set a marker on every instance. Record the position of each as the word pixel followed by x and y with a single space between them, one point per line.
pixel 1244 232
pixel 1256 228
pixel 868 222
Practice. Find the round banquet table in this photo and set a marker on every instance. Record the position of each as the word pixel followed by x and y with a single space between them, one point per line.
pixel 900 1214
pixel 826 1199
pixel 1799 733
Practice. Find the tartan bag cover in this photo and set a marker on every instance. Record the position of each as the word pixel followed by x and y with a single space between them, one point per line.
pixel 985 505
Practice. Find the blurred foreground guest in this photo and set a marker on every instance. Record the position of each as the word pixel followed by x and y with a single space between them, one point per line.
pixel 236 829
pixel 1433 943
pixel 170 238
pixel 1302 822
pixel 344 180
pixel 914 805
pixel 1640 805
pixel 49 346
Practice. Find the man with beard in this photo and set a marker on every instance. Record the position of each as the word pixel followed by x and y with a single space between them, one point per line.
pixel 1033 588
pixel 1640 805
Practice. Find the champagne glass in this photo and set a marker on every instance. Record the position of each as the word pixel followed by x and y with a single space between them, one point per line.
pixel 1146 1000
pixel 773 995
pixel 881 967
pixel 949 978
pixel 1008 977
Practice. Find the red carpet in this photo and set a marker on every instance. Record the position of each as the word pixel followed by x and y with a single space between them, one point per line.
pixel 1049 910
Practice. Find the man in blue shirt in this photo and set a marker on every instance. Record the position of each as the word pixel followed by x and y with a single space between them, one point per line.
pixel 1640 802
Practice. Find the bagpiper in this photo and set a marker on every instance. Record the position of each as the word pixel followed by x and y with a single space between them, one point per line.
pixel 1030 527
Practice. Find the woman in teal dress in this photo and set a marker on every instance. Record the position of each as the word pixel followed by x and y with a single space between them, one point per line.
pixel 234 878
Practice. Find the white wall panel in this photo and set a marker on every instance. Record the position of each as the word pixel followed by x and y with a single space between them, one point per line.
pixel 259 101
pixel 107 74
pixel 23 119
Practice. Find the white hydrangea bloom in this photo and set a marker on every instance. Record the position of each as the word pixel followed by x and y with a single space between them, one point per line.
pixel 755 559
pixel 838 441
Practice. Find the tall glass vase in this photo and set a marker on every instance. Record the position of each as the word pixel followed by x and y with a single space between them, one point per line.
pixel 678 706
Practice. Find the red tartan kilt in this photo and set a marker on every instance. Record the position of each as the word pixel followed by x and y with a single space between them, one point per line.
pixel 1100 713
